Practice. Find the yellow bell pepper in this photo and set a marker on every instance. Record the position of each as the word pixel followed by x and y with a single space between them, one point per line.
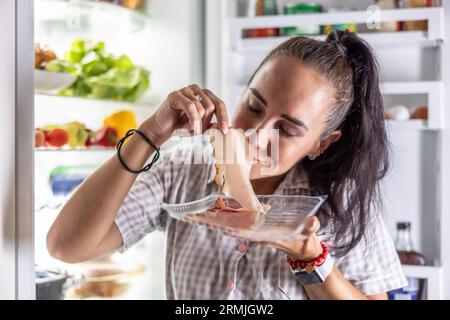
pixel 77 134
pixel 121 121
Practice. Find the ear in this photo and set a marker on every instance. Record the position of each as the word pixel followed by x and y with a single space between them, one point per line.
pixel 329 140
pixel 323 144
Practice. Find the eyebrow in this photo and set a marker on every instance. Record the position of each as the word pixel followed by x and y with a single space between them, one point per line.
pixel 258 96
pixel 295 121
pixel 284 115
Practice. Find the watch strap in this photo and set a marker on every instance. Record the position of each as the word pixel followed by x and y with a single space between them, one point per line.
pixel 317 274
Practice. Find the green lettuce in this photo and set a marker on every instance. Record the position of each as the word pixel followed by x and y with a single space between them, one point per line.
pixel 101 75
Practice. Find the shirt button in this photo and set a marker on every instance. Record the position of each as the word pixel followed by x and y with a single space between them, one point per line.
pixel 230 285
pixel 242 247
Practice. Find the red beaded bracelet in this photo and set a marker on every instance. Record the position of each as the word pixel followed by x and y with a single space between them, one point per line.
pixel 299 264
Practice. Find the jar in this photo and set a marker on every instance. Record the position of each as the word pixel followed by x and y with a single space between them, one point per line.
pixel 261 8
pixel 340 26
pixel 418 25
pixel 303 30
pixel 132 4
pixel 389 26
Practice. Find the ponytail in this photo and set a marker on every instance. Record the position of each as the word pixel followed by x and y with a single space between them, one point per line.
pixel 351 168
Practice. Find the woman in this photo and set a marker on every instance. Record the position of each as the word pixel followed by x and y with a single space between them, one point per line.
pixel 324 99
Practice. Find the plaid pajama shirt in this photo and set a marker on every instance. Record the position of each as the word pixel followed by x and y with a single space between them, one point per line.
pixel 205 264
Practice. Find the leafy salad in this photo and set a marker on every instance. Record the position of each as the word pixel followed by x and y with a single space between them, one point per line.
pixel 99 74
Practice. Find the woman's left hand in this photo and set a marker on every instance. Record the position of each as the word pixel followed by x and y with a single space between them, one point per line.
pixel 304 247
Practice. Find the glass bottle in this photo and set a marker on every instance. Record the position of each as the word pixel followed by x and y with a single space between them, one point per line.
pixel 261 8
pixel 404 246
pixel 418 25
pixel 405 249
pixel 390 26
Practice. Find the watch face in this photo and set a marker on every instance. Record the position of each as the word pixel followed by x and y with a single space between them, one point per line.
pixel 306 278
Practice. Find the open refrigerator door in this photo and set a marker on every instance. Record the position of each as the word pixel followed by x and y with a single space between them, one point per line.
pixel 100 71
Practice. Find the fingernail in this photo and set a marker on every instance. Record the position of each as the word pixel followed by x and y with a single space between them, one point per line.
pixel 224 127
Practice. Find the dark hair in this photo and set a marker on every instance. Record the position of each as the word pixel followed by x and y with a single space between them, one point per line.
pixel 349 171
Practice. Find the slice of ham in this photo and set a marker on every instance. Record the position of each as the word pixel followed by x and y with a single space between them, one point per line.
pixel 223 217
pixel 233 165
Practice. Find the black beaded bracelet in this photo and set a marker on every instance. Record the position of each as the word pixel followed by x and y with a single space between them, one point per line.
pixel 122 141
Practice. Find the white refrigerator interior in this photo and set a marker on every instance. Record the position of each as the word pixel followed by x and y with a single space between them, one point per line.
pixel 414 72
pixel 165 37
pixel 200 41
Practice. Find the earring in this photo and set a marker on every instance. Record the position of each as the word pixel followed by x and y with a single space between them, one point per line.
pixel 315 156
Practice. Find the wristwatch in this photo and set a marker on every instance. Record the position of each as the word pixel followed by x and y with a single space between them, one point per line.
pixel 314 274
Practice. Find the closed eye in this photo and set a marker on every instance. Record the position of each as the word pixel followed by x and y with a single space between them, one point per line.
pixel 253 109
pixel 288 133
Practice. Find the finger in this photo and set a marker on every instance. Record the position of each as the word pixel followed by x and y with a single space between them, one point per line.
pixel 192 94
pixel 220 111
pixel 204 100
pixel 312 225
pixel 189 95
pixel 190 109
pixel 208 105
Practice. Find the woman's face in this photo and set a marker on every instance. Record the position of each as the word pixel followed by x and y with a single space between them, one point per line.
pixel 293 98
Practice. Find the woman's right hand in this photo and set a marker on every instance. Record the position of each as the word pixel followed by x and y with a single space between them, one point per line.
pixel 181 109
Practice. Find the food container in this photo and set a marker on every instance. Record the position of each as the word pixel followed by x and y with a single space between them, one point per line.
pixel 283 221
pixel 106 278
pixel 52 285
pixel 389 26
pixel 341 26
pixel 417 25
pixel 261 8
pixel 302 30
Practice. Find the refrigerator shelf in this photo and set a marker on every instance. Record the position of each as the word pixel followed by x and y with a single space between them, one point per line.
pixel 145 102
pixel 85 16
pixel 434 91
pixel 434 17
pixel 376 39
pixel 434 276
pixel 407 125
pixel 91 112
pixel 52 149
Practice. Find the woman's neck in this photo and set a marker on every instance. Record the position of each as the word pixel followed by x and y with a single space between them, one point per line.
pixel 266 186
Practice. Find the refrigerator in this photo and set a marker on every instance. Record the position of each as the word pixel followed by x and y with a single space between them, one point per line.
pixel 200 41
pixel 161 37
pixel 410 41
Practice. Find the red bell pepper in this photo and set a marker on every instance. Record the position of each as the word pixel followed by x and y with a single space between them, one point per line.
pixel 106 137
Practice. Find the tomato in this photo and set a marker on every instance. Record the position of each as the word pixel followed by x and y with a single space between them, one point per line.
pixel 57 137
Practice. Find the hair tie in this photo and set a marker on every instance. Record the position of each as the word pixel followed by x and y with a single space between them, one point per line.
pixel 338 43
pixel 341 48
